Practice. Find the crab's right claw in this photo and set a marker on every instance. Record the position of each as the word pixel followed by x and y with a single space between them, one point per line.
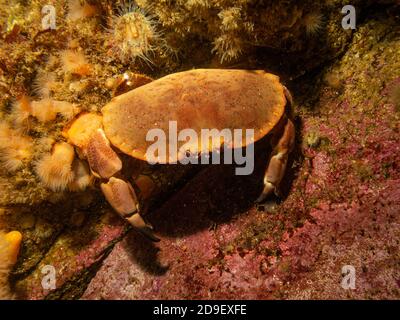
pixel 121 196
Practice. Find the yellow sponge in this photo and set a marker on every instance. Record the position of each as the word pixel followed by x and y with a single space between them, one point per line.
pixel 14 239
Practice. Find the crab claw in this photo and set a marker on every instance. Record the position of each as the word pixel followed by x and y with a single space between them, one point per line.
pixel 122 198
pixel 269 188
pixel 139 224
pixel 103 160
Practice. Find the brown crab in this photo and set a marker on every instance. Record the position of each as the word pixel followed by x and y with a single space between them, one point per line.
pixel 196 99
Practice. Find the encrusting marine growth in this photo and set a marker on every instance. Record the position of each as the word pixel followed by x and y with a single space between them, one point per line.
pixel 96 54
pixel 15 148
pixel 78 10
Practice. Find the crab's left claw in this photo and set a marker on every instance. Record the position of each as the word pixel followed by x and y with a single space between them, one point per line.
pixel 122 198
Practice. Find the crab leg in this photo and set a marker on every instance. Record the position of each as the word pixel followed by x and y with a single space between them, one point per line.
pixel 105 164
pixel 103 160
pixel 277 164
pixel 122 198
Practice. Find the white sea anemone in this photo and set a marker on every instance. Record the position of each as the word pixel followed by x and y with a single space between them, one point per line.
pixel 313 22
pixel 133 34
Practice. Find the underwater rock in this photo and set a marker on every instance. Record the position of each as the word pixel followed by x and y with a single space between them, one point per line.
pixel 341 210
pixel 340 199
pixel 308 32
pixel 74 255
